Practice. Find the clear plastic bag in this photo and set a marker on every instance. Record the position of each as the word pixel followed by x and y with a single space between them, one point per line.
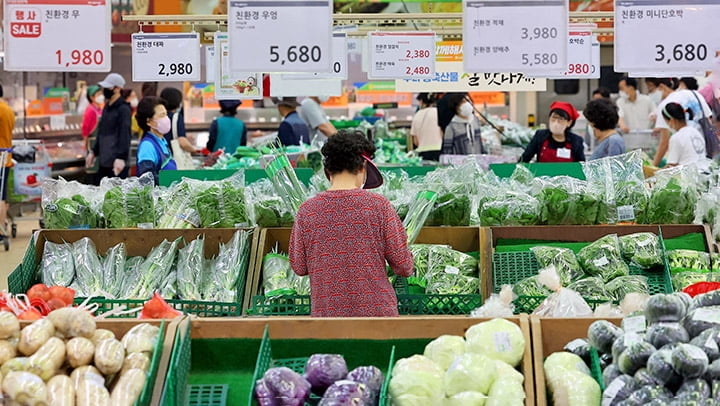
pixel 592 288
pixel 563 259
pixel 680 260
pixel 673 196
pixel 603 258
pixel 642 249
pixel 511 209
pixel 707 206
pixel 567 200
pixel 114 269
pixel 418 213
pixel 128 202
pixel 451 272
pixel 498 305
pixel 131 276
pixel 563 302
pixel 421 261
pixel 286 183
pixel 223 204
pixel 70 205
pixel 267 209
pixel 88 268
pixel 621 286
pixel 232 261
pixel 522 175
pixel 154 269
pixel 179 206
pixel 277 275
pixel 58 264
pixel 190 267
pixel 530 286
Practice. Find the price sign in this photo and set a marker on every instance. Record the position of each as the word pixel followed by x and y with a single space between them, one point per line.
pixel 260 40
pixel 233 85
pixel 581 50
pixel 210 63
pixel 57 35
pixel 166 57
pixel 397 55
pixel 339 56
pixel 519 35
pixel 665 35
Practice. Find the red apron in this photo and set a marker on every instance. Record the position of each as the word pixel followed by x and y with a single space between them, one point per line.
pixel 548 154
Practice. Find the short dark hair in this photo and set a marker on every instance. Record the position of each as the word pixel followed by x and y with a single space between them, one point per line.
pixel 1 91
pixel 690 83
pixel 173 98
pixel 669 82
pixel 454 100
pixel 146 110
pixel 602 91
pixel 632 82
pixel 676 111
pixel 125 93
pixel 602 113
pixel 344 151
pixel 149 89
pixel 427 98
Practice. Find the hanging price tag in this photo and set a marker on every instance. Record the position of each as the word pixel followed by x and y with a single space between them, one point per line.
pixel 233 85
pixel 519 35
pixel 57 35
pixel 581 56
pixel 166 57
pixel 397 55
pixel 666 35
pixel 280 35
pixel 339 56
pixel 210 63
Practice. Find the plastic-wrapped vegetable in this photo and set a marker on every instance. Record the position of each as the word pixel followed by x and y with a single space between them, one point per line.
pixel 190 267
pixel 506 392
pixel 285 182
pixel 673 197
pixel 567 200
pixel 688 260
pixel 568 384
pixel 701 319
pixel 563 302
pixel 661 334
pixel 223 205
pixel 441 256
pixel 579 347
pixel 87 266
pixel 592 288
pixel 564 261
pixel 682 280
pixel 345 392
pixel 128 202
pixel 530 286
pixel 47 359
pixel 370 376
pixel 619 389
pixel 109 356
pixel 113 269
pixel 416 381
pixel 232 261
pixel 58 264
pixel 602 334
pixel 449 283
pixel 604 258
pixel 128 388
pixel 155 269
pixel 621 286
pixel 418 213
pixel 321 370
pixel 470 372
pixel 689 361
pixel 32 337
pixel 635 357
pixel 69 205
pixel 421 256
pixel 92 393
pixel 179 210
pixel 132 275
pixel 24 388
pixel 642 249
pixel 511 209
pixel 664 307
pixel 61 391
pixel 277 275
pixel 80 351
pixel 451 272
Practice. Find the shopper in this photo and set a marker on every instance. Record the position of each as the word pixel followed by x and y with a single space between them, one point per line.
pixel 7 124
pixel 558 143
pixel 687 144
pixel 425 131
pixel 317 121
pixel 688 84
pixel 654 92
pixel 173 103
pixel 227 132
pixel 292 129
pixel 153 152
pixel 130 97
pixel 91 116
pixel 112 148
pixel 600 93
pixel 635 108
pixel 602 115
pixel 689 100
pixel 343 237
pixel 444 111
pixel 462 135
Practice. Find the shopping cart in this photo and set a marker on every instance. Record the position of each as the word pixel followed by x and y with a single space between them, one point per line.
pixel 4 152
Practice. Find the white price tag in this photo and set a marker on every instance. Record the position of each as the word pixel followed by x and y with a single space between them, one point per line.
pixel 339 62
pixel 502 35
pixel 260 40
pixel 166 57
pixel 665 35
pixel 57 35
pixel 210 67
pixel 581 56
pixel 233 85
pixel 626 213
pixel 398 55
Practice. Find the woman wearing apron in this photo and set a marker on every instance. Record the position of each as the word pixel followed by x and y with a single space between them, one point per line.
pixel 153 152
pixel 558 143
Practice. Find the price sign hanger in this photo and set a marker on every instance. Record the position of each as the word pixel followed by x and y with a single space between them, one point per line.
pixel 509 35
pixel 166 57
pixel 401 55
pixel 666 35
pixel 280 35
pixel 339 57
pixel 52 35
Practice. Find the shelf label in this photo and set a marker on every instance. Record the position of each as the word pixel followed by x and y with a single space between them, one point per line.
pixel 398 55
pixel 166 57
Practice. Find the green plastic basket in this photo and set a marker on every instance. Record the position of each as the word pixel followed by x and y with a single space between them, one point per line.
pixel 178 372
pixel 146 395
pixel 20 280
pixel 206 395
pixel 287 305
pixel 197 308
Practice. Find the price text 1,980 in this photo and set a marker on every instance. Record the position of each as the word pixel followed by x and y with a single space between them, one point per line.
pixel 680 52
pixel 302 54
pixel 538 33
pixel 539 59
pixel 81 57
pixel 175 69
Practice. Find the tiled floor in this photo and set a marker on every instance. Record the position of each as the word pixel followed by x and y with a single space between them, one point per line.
pixel 10 259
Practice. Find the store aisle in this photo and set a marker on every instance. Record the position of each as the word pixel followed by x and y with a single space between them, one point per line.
pixel 10 259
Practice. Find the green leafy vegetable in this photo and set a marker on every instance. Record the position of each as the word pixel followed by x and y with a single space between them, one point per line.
pixel 621 286
pixel 88 268
pixel 531 287
pixel 604 258
pixel 592 288
pixel 671 204
pixel 564 261
pixel 418 213
pixel 74 212
pixel 510 209
pixel 126 209
pixel 58 264
pixel 271 212
pixel 277 275
pixel 642 249
pixel 190 269
pixel 681 280
pixel 230 265
pixel 154 269
pixel 114 269
pixel 222 206
pixel 680 260
pixel 451 209
pixel 567 200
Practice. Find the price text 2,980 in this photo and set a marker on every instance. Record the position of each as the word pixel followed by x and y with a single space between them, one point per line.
pixel 175 69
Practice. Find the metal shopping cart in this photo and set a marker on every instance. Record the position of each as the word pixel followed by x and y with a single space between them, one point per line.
pixel 4 152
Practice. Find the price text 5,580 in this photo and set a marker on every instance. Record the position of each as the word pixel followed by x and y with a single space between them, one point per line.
pixel 80 57
pixel 295 53
pixel 680 52
pixel 539 59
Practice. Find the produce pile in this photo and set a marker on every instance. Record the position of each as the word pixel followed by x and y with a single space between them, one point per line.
pixel 279 279
pixel 326 377
pixel 64 359
pixel 667 355
pixel 175 269
pixel 601 270
pixel 478 369
pixel 689 266
pixel 441 270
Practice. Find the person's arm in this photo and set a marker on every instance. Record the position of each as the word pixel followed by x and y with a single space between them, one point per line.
pixel 663 145
pixel 297 253
pixel 397 253
pixel 413 130
pixel 623 127
pixel 123 134
pixel 212 139
pixel 182 138
pixel 532 148
pixel 88 123
pixel 673 155
pixel 327 128
pixel 186 145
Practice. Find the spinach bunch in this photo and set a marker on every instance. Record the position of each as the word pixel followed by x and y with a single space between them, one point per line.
pixel 604 258
pixel 511 209
pixel 671 204
pixel 451 209
pixel 222 205
pixel 128 209
pixel 74 212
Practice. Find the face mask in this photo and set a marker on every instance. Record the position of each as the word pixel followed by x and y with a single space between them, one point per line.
pixel 163 125
pixel 323 99
pixel 108 93
pixel 133 103
pixel 623 95
pixel 466 109
pixel 99 99
pixel 557 128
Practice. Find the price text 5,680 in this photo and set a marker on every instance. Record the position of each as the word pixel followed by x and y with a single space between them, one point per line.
pixel 295 53
pixel 539 59
pixel 680 52
pixel 175 69
pixel 80 57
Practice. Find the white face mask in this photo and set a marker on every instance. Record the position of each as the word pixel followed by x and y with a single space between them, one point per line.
pixel 323 99
pixel 99 99
pixel 557 128
pixel 623 95
pixel 133 103
pixel 466 110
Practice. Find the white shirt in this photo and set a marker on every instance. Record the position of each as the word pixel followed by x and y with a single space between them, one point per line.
pixel 637 114
pixel 425 127
pixel 687 146
pixel 313 115
pixel 687 99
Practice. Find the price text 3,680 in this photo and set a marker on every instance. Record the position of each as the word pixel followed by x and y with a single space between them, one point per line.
pixel 539 59
pixel 681 52
pixel 175 69
pixel 81 57
pixel 294 53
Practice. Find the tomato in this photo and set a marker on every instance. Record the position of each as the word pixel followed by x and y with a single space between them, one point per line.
pixel 67 295
pixel 56 303
pixel 40 291
pixel 31 314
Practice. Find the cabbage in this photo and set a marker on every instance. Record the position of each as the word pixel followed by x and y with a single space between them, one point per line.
pixel 567 361
pixel 322 370
pixel 444 349
pixel 506 391
pixel 416 381
pixel 371 377
pixel 346 393
pixel 466 399
pixel 507 372
pixel 282 386
pixel 498 339
pixel 418 363
pixel 572 387
pixel 470 373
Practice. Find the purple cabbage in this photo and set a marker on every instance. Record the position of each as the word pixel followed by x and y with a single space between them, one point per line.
pixel 322 370
pixel 282 387
pixel 346 393
pixel 371 376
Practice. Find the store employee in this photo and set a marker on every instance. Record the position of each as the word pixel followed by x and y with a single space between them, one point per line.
pixel 558 143
pixel 153 152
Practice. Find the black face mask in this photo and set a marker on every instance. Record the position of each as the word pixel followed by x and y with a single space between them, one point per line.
pixel 108 93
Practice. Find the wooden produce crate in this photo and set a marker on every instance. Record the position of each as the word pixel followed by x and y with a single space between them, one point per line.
pixel 464 239
pixel 549 336
pixel 137 243
pixel 225 352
